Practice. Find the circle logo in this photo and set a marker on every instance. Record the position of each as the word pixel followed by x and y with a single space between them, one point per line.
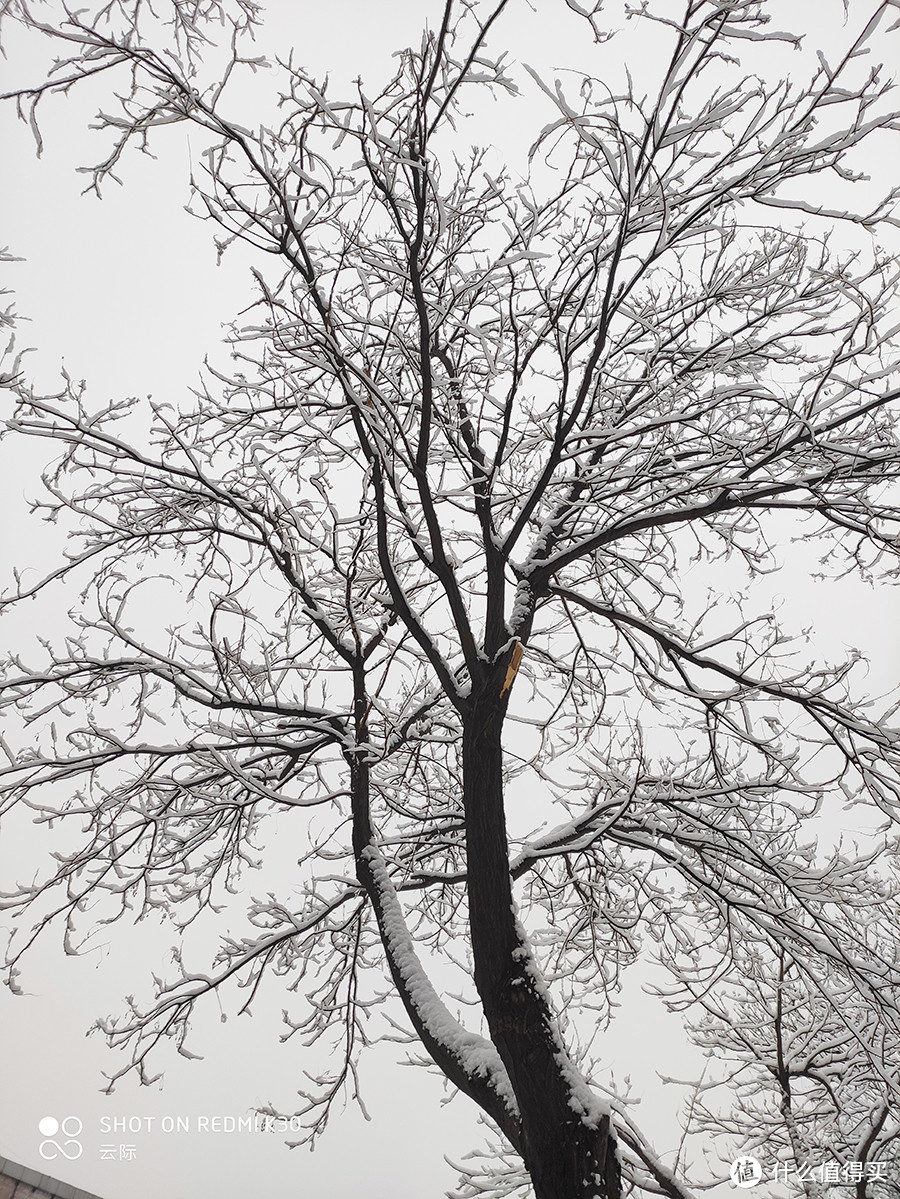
pixel 745 1172
pixel 70 1127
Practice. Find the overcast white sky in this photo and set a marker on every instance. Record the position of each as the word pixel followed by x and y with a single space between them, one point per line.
pixel 127 295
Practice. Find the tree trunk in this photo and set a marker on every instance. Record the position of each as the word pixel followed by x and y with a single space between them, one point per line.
pixel 568 1145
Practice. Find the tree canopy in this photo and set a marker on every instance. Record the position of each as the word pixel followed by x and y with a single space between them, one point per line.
pixel 423 560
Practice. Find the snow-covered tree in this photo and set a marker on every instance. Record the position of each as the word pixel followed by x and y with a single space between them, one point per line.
pixel 809 1068
pixel 427 547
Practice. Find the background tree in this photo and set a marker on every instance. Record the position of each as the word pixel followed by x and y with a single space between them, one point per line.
pixel 423 547
pixel 810 1073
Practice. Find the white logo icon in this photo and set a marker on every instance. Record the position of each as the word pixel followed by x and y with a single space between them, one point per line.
pixel 745 1172
pixel 70 1127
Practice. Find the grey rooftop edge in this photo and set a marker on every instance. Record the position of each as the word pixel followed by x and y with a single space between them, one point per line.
pixel 42 1182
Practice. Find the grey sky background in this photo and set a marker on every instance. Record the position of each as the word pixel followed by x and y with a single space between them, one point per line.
pixel 126 294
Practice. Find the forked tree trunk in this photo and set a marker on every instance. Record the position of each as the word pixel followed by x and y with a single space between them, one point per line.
pixel 569 1154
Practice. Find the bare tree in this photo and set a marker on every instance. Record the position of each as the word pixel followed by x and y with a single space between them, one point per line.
pixel 429 536
pixel 811 1072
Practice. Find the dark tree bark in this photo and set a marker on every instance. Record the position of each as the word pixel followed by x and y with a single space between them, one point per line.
pixel 570 1153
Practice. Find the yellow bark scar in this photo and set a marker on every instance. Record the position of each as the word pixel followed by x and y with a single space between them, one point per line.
pixel 517 655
